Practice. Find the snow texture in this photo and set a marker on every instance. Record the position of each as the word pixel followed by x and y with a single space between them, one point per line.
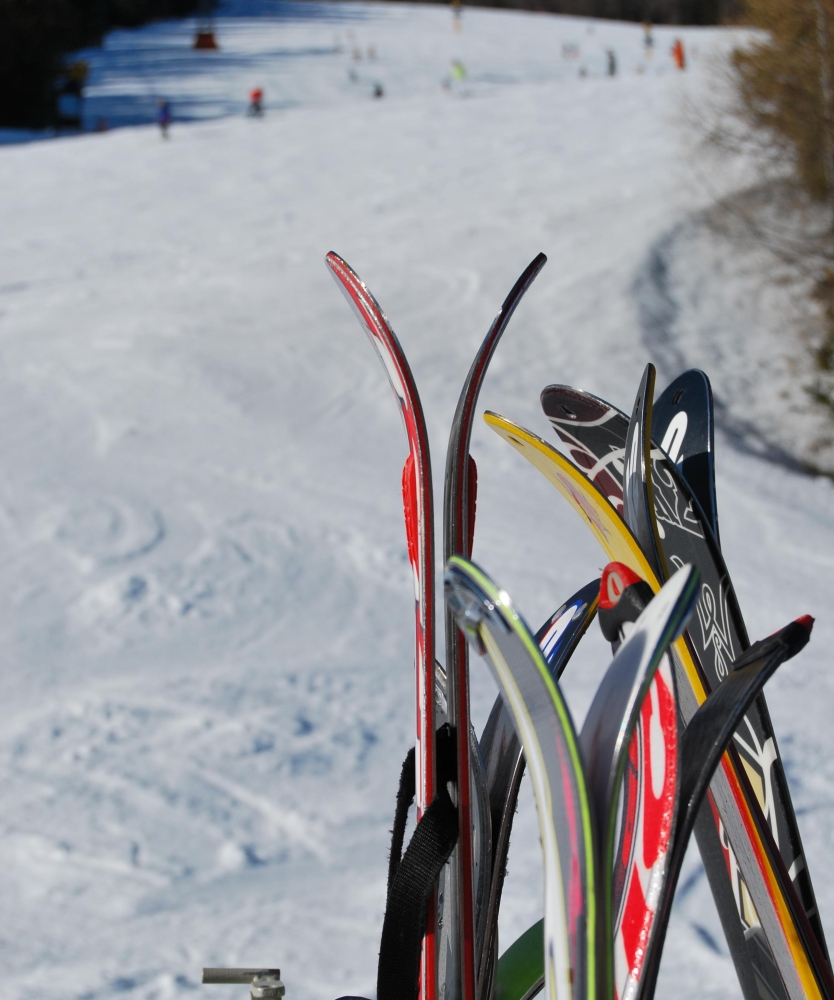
pixel 714 297
pixel 206 615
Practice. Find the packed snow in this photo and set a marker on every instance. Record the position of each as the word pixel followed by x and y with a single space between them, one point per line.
pixel 207 606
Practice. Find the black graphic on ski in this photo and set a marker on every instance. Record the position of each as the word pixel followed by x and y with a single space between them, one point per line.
pixel 683 426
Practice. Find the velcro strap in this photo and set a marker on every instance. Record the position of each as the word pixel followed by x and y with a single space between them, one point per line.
pixel 412 878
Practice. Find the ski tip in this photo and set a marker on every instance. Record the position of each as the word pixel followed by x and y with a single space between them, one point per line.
pixel 615 578
pixel 807 622
pixel 337 264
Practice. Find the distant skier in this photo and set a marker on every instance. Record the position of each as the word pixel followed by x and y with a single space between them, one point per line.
pixel 163 117
pixel 378 90
pixel 454 81
pixel 678 54
pixel 612 62
pixel 648 39
pixel 256 107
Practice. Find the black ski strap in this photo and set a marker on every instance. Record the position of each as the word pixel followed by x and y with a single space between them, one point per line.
pixel 405 796
pixel 412 876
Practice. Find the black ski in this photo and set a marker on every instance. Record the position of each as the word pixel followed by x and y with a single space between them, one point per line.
pixel 464 926
pixel 683 424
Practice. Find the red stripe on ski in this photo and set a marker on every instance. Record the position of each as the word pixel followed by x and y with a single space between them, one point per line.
pixel 419 515
pixel 615 578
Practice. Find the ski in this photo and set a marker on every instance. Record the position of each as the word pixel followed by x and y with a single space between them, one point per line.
pixel 576 804
pixel 607 743
pixel 552 753
pixel 419 520
pixel 595 435
pixel 557 639
pixel 647 846
pixel 762 870
pixel 648 794
pixel 654 829
pixel 683 423
pixel 464 926
pixel 678 533
pixel 626 596
pixel 639 506
pixel 705 739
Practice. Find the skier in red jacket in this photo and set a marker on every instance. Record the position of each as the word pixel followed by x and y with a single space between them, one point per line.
pixel 256 107
pixel 677 54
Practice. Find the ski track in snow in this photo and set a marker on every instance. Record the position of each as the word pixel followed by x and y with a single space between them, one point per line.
pixel 206 621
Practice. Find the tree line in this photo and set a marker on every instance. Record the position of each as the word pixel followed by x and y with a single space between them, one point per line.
pixel 36 35
pixel 656 11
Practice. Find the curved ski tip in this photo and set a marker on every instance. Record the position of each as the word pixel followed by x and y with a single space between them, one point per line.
pixel 337 263
pixel 807 622
pixel 563 402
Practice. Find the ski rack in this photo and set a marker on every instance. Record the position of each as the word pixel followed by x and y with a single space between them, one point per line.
pixel 264 984
pixel 611 484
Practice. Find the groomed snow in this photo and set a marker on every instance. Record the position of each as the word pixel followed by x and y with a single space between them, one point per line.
pixel 206 604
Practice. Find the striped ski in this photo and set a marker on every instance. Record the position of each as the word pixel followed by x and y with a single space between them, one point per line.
pixel 648 796
pixel 501 749
pixel 577 848
pixel 419 520
pixel 464 927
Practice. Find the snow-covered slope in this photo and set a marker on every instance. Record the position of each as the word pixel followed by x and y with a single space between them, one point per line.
pixel 206 610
